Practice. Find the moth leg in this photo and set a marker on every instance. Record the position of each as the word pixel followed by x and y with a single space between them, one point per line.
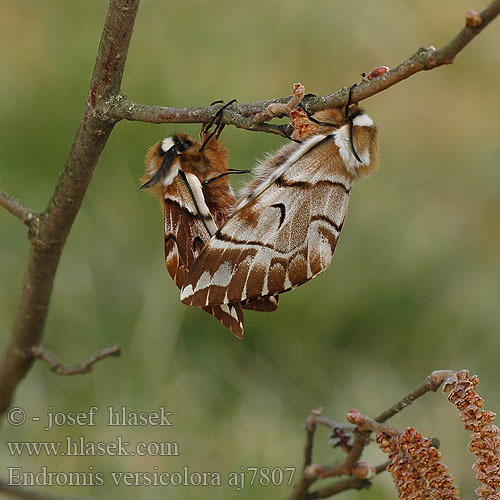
pixel 286 132
pixel 350 119
pixel 311 117
pixel 205 127
pixel 219 126
pixel 229 171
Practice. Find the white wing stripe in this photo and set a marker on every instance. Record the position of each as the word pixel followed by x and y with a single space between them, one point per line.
pixel 196 189
pixel 174 170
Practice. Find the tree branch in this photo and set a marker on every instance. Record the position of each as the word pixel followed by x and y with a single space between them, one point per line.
pixel 347 484
pixel 361 427
pixel 431 383
pixel 352 483
pixel 18 208
pixel 241 115
pixel 309 475
pixel 361 439
pixel 84 367
pixel 46 246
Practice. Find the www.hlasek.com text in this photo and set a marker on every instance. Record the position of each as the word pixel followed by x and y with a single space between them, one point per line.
pixel 81 447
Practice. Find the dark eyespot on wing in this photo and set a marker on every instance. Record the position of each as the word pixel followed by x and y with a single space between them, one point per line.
pixel 282 212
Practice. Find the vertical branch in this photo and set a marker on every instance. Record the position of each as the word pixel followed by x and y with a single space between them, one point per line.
pixel 47 244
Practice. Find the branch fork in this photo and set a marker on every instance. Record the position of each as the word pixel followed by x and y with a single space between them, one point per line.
pixel 81 368
pixel 360 428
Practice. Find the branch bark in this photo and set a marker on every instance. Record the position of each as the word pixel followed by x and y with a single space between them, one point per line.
pixel 47 244
pixel 431 383
pixel 79 369
pixel 241 115
pixel 18 208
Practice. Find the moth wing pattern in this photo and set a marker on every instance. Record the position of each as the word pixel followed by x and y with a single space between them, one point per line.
pixel 282 235
pixel 285 228
pixel 184 224
pixel 192 213
pixel 185 236
pixel 185 233
pixel 187 229
pixel 262 304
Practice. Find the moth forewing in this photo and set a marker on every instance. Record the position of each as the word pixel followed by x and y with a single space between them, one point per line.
pixel 285 228
pixel 191 207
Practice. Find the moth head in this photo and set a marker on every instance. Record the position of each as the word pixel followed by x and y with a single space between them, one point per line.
pixel 335 117
pixel 329 120
pixel 206 159
pixel 354 134
pixel 162 161
pixel 357 142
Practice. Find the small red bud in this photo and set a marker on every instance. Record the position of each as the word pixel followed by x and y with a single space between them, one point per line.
pixel 298 89
pixel 355 417
pixel 473 19
pixel 376 72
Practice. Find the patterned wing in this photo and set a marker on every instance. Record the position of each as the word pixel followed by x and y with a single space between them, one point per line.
pixel 282 234
pixel 186 232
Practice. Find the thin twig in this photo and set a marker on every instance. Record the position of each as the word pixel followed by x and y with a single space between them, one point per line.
pixel 305 480
pixel 237 114
pixel 84 367
pixel 362 434
pixel 431 383
pixel 17 208
pixel 353 483
pixel 361 439
pixel 366 425
pixel 242 115
pixel 310 426
pixel 347 484
pixel 317 471
pixel 310 473
pixel 328 422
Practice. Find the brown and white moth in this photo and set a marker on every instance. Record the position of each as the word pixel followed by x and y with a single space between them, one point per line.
pixel 191 180
pixel 284 229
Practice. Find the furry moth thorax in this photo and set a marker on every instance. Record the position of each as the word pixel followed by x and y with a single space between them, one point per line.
pixel 334 123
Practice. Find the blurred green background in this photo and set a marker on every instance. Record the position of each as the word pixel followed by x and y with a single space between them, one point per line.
pixel 414 285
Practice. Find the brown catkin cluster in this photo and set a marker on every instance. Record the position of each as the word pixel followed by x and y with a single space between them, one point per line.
pixel 405 476
pixel 484 441
pixel 416 467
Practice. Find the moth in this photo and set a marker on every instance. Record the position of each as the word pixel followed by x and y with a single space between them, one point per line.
pixel 191 179
pixel 284 230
